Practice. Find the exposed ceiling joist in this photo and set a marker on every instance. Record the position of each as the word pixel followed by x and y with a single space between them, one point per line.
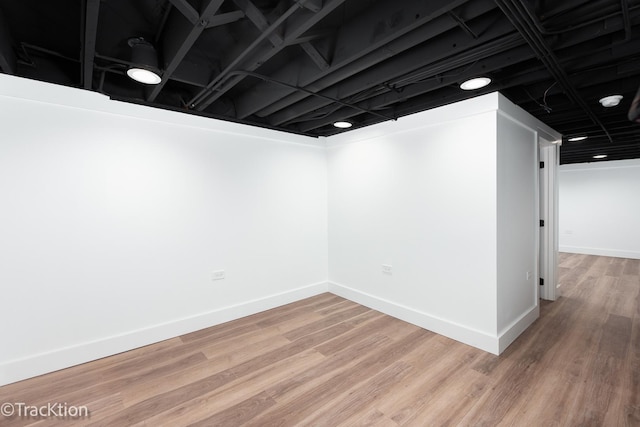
pixel 311 36
pixel 315 55
pixel 179 37
pixel 368 33
pixel 225 18
pixel 187 10
pixel 526 25
pixel 8 61
pixel 410 53
pixel 252 60
pixel 476 61
pixel 313 5
pixel 89 46
pixel 259 20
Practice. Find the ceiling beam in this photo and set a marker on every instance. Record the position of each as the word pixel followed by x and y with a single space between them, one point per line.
pixel 412 53
pixel 626 18
pixel 433 52
pixel 482 60
pixel 259 20
pixel 179 37
pixel 315 55
pixel 313 5
pixel 253 59
pixel 312 35
pixel 187 10
pixel 8 61
pixel 225 18
pixel 527 25
pixel 368 33
pixel 92 13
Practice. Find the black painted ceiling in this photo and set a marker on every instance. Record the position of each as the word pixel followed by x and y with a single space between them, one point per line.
pixel 301 65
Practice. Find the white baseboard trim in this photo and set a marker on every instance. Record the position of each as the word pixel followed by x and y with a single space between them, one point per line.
pixel 600 252
pixel 39 364
pixel 449 329
pixel 513 331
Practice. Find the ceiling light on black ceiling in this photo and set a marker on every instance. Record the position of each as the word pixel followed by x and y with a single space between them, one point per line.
pixel 144 59
pixel 475 83
pixel 343 125
pixel 600 156
pixel 577 138
pixel 610 101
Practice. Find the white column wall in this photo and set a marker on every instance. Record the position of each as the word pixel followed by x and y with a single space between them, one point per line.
pixel 419 194
pixel 518 230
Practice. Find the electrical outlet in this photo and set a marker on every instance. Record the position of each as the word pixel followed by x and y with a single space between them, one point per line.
pixel 387 269
pixel 528 275
pixel 217 275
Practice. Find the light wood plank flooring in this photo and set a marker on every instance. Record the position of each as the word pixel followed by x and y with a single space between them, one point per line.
pixel 326 361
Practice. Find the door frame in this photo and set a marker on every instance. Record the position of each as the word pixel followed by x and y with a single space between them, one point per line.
pixel 549 153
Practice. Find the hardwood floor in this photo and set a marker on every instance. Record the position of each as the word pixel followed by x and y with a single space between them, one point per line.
pixel 326 361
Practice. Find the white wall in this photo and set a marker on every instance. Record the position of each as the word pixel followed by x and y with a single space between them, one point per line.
pixel 600 208
pixel 517 228
pixel 114 217
pixel 448 198
pixel 410 200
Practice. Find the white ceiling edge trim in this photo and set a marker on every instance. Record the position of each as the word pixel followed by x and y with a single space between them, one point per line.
pixel 523 117
pixel 609 164
pixel 424 119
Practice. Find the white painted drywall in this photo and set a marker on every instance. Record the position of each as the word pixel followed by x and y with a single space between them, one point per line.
pixel 405 196
pixel 600 208
pixel 448 198
pixel 517 217
pixel 114 216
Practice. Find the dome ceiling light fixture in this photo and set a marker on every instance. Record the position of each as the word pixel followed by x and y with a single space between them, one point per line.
pixel 343 125
pixel 610 101
pixel 475 83
pixel 145 62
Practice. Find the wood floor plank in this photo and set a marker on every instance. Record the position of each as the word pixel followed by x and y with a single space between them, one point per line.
pixel 235 392
pixel 327 361
pixel 295 410
pixel 432 381
pixel 373 418
pixel 450 406
pixel 333 365
pixel 355 401
pixel 329 320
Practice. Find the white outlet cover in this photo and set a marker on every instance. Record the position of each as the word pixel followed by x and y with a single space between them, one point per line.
pixel 217 275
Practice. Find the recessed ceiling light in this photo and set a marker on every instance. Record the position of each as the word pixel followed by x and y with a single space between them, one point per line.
pixel 577 138
pixel 144 76
pixel 611 100
pixel 343 125
pixel 475 83
pixel 600 156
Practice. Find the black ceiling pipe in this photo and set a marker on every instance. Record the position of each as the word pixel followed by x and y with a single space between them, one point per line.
pixel 525 23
